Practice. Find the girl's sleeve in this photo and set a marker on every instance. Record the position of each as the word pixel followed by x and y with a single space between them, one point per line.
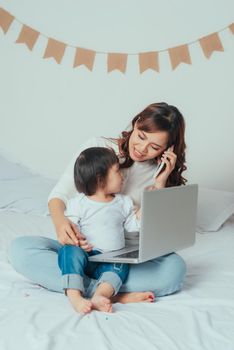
pixel 74 208
pixel 65 187
pixel 131 224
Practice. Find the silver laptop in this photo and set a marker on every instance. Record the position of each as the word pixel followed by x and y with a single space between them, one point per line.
pixel 168 224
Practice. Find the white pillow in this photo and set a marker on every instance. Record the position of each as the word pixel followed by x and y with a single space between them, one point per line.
pixel 214 208
pixel 10 168
pixel 22 190
pixel 26 195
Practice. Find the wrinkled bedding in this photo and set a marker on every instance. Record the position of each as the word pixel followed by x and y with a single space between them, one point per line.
pixel 201 316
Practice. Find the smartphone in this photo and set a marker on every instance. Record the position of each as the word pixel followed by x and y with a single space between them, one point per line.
pixel 160 167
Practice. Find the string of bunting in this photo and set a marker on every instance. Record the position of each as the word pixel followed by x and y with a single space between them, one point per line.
pixel 147 60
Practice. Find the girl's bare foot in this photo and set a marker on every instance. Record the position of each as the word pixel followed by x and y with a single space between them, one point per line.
pixel 79 303
pixel 101 303
pixel 136 297
pixel 83 306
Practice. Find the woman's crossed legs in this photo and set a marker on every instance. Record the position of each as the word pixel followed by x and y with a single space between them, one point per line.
pixel 36 258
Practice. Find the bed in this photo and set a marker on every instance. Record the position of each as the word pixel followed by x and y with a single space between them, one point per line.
pixel 201 316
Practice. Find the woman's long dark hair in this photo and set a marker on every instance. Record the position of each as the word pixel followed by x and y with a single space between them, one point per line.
pixel 159 117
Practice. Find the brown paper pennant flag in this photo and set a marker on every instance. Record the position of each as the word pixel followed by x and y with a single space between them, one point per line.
pixel 55 49
pixel 5 20
pixel 179 54
pixel 210 43
pixel 117 61
pixel 231 27
pixel 148 60
pixel 85 57
pixel 28 36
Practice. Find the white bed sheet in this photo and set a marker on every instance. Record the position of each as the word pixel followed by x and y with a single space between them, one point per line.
pixel 201 316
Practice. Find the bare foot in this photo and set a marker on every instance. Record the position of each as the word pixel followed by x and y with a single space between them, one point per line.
pixel 83 305
pixel 101 303
pixel 136 297
pixel 79 303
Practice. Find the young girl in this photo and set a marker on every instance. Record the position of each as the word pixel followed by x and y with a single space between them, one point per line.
pixel 102 214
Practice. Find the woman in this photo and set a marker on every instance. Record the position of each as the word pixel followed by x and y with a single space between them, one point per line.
pixel 156 134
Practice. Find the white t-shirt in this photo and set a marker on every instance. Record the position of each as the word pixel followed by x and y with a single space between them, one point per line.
pixel 103 223
pixel 136 178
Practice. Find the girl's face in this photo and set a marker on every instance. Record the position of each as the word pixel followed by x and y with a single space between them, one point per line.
pixel 114 180
pixel 144 146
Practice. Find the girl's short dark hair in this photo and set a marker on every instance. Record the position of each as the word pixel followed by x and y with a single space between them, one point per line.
pixel 91 169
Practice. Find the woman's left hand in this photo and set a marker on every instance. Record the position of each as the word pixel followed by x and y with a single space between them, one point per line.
pixel 169 158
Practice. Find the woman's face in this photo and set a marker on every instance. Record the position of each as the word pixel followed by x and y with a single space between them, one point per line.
pixel 144 146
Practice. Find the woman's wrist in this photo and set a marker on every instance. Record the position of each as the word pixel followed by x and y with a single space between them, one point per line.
pixel 57 208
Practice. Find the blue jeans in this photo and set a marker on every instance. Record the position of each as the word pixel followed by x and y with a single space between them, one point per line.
pixel 74 265
pixel 36 258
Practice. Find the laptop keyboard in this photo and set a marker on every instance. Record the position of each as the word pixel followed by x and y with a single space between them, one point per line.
pixel 133 254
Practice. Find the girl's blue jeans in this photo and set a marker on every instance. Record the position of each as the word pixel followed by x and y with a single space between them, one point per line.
pixel 74 265
pixel 37 259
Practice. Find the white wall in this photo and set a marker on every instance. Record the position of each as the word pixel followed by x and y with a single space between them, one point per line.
pixel 47 110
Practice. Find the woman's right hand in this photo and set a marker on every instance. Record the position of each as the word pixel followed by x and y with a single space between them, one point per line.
pixel 169 158
pixel 68 233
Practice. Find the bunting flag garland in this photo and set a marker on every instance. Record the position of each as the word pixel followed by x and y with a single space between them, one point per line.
pixel 85 57
pixel 5 20
pixel 178 55
pixel 211 43
pixel 231 27
pixel 55 49
pixel 148 60
pixel 28 36
pixel 115 61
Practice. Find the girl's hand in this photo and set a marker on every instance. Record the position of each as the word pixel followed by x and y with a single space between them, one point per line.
pixel 68 233
pixel 169 158
pixel 85 245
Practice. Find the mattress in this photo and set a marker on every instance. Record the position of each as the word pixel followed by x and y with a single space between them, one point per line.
pixel 201 316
